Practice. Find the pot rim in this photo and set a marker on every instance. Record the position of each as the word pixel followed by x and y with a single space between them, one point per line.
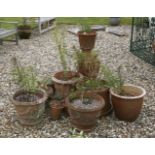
pixel 67 81
pixel 93 95
pixel 130 97
pixel 23 103
pixel 93 32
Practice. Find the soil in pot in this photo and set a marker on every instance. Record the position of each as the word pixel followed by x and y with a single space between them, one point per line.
pixel 24 31
pixel 87 40
pixel 65 82
pixel 127 106
pixel 29 106
pixel 88 64
pixel 85 111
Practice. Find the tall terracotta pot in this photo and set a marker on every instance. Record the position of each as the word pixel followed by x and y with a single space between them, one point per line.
pixel 85 118
pixel 64 86
pixel 128 107
pixel 29 112
pixel 87 40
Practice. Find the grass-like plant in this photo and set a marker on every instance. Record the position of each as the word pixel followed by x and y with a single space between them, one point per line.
pixel 26 77
pixel 112 80
pixel 59 40
pixel 85 27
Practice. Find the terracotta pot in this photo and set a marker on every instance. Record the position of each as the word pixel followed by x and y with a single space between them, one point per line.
pixel 85 118
pixel 89 66
pixel 128 107
pixel 24 31
pixel 64 86
pixel 56 109
pixel 29 112
pixel 107 109
pixel 87 40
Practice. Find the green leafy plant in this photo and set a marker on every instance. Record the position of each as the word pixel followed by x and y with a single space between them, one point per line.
pixel 26 77
pixel 75 134
pixel 87 62
pixel 112 80
pixel 63 56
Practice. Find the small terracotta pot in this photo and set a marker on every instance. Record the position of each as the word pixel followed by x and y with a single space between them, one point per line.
pixel 29 113
pixel 87 40
pixel 24 31
pixel 64 86
pixel 85 118
pixel 128 107
pixel 56 109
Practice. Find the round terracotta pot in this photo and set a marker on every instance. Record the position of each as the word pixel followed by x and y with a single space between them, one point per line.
pixel 128 107
pixel 24 31
pixel 29 112
pixel 107 109
pixel 85 118
pixel 56 109
pixel 64 86
pixel 87 40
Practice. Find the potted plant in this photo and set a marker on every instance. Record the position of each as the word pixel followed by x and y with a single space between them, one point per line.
pixel 99 87
pixel 66 79
pixel 87 37
pixel 127 99
pixel 29 101
pixel 24 30
pixel 114 21
pixel 84 109
pixel 56 106
pixel 87 64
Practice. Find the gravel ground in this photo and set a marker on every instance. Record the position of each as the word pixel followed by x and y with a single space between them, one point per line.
pixel 40 52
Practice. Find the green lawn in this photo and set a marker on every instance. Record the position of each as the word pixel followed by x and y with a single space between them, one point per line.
pixel 73 20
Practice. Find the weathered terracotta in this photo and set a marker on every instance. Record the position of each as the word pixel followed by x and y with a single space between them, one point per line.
pixel 30 113
pixel 24 31
pixel 85 119
pixel 63 87
pixel 56 109
pixel 87 40
pixel 128 108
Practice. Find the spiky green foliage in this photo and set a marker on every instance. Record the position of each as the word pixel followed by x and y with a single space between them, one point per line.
pixel 75 134
pixel 114 81
pixel 26 77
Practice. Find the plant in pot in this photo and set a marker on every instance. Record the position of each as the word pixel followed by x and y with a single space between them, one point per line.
pixel 127 99
pixel 84 109
pixel 87 37
pixel 29 101
pixel 66 79
pixel 98 86
pixel 25 29
pixel 87 64
pixel 56 106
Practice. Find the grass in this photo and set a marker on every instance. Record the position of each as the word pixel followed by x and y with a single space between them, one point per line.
pixel 72 20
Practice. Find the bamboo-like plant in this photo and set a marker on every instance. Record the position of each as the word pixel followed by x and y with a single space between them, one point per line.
pixel 26 77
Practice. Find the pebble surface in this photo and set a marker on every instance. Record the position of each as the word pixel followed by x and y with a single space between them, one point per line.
pixel 41 52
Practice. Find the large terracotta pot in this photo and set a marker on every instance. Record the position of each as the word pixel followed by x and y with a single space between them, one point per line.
pixel 128 107
pixel 29 112
pixel 85 118
pixel 64 86
pixel 87 40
